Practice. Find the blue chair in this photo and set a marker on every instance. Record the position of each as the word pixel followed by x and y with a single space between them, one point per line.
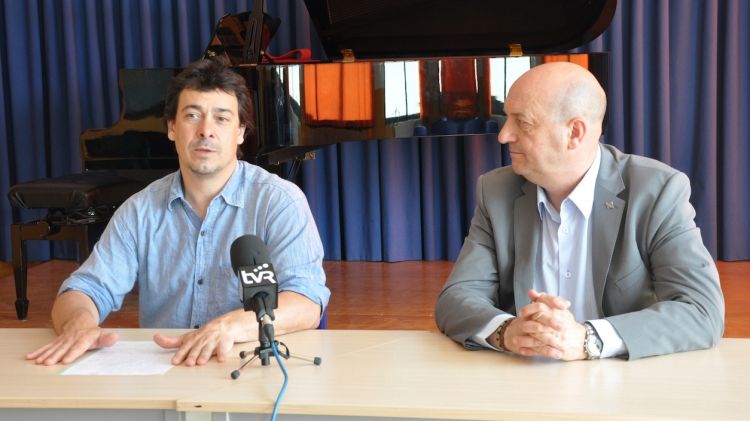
pixel 323 321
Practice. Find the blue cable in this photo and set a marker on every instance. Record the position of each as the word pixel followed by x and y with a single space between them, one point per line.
pixel 286 381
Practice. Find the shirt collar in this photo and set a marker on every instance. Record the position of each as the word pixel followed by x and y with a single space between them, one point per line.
pixel 582 195
pixel 175 190
pixel 232 192
pixel 236 188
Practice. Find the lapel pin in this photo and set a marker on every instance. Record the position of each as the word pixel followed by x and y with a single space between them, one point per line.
pixel 610 205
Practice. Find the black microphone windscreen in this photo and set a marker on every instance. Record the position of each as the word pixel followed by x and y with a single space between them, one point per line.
pixel 248 250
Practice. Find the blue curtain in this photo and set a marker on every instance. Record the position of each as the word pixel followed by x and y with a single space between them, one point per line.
pixel 59 62
pixel 679 92
pixel 679 88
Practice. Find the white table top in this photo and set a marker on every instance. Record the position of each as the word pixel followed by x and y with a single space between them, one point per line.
pixel 408 374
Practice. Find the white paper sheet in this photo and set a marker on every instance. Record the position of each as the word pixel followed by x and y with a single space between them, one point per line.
pixel 125 358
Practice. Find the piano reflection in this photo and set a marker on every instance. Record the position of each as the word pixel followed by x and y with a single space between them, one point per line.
pixel 394 69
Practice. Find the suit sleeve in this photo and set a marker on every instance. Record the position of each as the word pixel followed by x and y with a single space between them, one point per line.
pixel 468 299
pixel 688 312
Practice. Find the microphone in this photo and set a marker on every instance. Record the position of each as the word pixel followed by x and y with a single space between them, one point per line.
pixel 259 291
pixel 258 287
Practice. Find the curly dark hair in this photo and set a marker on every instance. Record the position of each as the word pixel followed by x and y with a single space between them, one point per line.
pixel 207 75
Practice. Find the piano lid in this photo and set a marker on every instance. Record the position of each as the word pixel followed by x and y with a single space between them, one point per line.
pixel 442 74
pixel 388 29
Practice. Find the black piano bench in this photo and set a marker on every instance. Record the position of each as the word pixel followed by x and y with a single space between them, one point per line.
pixel 78 208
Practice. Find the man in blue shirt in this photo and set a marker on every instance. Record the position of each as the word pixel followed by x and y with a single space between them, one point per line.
pixel 173 238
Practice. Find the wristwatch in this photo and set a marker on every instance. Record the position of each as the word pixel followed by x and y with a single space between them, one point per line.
pixel 592 344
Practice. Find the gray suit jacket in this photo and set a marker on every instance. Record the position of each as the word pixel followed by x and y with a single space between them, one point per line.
pixel 654 280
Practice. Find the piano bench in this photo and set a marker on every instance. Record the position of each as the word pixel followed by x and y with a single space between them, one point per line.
pixel 78 208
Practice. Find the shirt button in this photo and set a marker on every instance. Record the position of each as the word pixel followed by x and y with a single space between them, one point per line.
pixel 568 275
pixel 203 233
pixel 200 281
pixel 565 230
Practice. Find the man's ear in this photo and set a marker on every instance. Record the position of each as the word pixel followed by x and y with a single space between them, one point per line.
pixel 576 132
pixel 241 134
pixel 170 130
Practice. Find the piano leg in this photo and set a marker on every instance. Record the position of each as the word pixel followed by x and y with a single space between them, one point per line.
pixel 19 270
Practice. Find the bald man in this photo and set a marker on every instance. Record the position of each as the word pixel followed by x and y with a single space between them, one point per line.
pixel 578 251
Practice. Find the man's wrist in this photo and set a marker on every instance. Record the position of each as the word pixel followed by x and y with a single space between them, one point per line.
pixel 237 324
pixel 497 338
pixel 592 343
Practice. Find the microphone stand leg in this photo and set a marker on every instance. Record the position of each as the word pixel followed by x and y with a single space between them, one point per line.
pixel 314 360
pixel 284 352
pixel 264 351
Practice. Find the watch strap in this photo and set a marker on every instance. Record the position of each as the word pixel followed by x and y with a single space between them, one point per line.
pixel 497 339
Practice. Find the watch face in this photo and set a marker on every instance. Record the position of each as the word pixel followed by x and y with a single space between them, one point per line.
pixel 593 343
pixel 593 346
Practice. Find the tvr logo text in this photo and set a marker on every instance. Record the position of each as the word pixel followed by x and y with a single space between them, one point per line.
pixel 262 274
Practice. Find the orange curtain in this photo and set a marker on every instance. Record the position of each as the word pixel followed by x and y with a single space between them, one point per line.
pixel 459 88
pixel 579 59
pixel 339 94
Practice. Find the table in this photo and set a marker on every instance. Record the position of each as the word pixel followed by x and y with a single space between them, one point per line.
pixel 369 375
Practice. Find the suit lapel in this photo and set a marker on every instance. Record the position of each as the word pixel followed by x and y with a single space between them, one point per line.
pixel 606 215
pixel 526 236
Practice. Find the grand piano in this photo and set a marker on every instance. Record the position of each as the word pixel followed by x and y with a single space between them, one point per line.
pixel 392 69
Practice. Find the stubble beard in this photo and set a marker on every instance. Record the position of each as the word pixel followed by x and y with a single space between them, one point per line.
pixel 207 166
pixel 204 169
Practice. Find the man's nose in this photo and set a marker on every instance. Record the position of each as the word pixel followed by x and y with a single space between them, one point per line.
pixel 505 135
pixel 206 128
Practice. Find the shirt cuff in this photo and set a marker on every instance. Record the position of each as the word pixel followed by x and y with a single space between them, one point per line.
pixel 612 344
pixel 480 338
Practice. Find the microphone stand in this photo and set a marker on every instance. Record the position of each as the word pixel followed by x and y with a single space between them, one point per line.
pixel 264 350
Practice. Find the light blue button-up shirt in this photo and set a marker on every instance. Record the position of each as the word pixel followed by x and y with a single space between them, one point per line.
pixel 181 263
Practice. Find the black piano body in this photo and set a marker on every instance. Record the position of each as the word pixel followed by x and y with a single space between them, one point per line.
pixel 404 69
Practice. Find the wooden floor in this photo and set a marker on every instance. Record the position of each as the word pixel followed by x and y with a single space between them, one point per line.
pixel 365 295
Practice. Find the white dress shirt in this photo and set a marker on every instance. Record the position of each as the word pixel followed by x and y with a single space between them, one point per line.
pixel 564 262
